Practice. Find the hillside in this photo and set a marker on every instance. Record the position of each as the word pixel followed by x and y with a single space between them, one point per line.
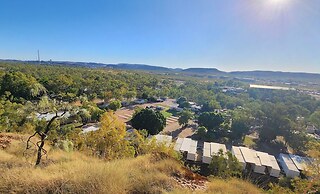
pixel 74 172
pixel 278 75
pixel 207 71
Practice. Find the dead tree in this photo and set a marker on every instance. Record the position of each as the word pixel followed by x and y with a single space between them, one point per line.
pixel 42 135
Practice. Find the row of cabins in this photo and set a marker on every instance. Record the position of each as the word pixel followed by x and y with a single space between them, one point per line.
pixel 251 160
pixel 293 165
pixel 258 162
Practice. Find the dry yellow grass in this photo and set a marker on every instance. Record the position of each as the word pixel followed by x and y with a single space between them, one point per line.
pixel 230 186
pixel 75 172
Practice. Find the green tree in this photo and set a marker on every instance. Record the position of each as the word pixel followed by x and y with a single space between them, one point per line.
pixel 115 105
pixel 45 128
pixel 315 118
pixel 202 132
pixel 153 121
pixel 210 120
pixel 210 106
pixel 110 141
pixel 184 118
pixel 21 85
pixel 84 115
pixel 225 165
pixel 181 100
pixel 298 141
pixel 241 122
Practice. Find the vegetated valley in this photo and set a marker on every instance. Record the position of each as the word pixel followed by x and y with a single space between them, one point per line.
pixel 66 129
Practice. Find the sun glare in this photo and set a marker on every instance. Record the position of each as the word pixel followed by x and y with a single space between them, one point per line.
pixel 277 2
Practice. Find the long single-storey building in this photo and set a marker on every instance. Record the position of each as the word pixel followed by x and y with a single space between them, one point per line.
pixel 275 169
pixel 288 166
pixel 237 153
pixel 187 146
pixel 166 139
pixel 252 160
pixel 300 162
pixel 209 149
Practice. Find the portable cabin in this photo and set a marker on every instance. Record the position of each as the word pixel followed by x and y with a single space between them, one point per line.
pixel 252 160
pixel 178 144
pixel 209 149
pixel 192 152
pixel 288 166
pixel 165 139
pixel 206 157
pixel 237 153
pixel 216 147
pixel 300 162
pixel 265 161
pixel 275 170
pixel 185 146
pixel 188 147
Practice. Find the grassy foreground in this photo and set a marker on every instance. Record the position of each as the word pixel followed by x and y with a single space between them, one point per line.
pixel 75 172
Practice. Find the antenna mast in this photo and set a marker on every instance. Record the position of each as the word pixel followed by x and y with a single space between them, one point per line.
pixel 39 57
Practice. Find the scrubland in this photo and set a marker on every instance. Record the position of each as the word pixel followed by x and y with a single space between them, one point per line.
pixel 75 172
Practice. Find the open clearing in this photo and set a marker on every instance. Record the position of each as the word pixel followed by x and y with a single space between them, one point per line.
pixel 173 128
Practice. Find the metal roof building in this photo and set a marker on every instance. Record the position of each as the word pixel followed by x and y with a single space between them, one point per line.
pixel 188 146
pixel 178 144
pixel 237 153
pixel 300 162
pixel 209 149
pixel 251 157
pixel 166 139
pixel 288 166
pixel 275 170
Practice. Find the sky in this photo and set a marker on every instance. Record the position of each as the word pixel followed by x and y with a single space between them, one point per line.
pixel 278 35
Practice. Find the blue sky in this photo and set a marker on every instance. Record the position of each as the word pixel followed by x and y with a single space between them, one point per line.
pixel 225 34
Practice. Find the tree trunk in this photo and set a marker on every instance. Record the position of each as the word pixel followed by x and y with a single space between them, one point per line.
pixel 39 155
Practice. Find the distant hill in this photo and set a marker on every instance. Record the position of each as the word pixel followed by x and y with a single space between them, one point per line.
pixel 206 71
pixel 138 67
pixel 278 75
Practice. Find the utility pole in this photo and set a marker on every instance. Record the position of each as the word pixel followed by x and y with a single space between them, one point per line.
pixel 39 56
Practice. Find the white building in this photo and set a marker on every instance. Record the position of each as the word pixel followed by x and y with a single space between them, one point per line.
pixel 300 162
pixel 275 170
pixel 265 160
pixel 237 153
pixel 288 166
pixel 165 139
pixel 49 116
pixel 90 127
pixel 210 149
pixel 187 146
pixel 252 160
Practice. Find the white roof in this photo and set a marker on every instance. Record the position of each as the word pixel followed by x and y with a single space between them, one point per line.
pixel 49 116
pixel 185 145
pixel 166 139
pixel 274 163
pixel 237 153
pixel 215 147
pixel 193 147
pixel 206 149
pixel 288 162
pixel 264 158
pixel 300 162
pixel 250 156
pixel 178 144
pixel 86 129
